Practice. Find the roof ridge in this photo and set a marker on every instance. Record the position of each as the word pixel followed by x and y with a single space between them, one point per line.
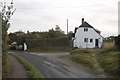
pixel 85 24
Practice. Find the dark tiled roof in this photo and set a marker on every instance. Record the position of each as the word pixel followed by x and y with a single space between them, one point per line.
pixel 85 24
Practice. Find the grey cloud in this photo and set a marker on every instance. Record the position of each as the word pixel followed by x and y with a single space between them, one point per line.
pixel 44 14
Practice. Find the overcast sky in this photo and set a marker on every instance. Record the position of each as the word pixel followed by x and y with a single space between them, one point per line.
pixel 41 15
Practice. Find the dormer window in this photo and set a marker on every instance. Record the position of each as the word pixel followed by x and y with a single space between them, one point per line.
pixel 85 29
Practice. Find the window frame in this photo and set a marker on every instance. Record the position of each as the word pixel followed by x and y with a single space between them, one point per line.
pixel 91 40
pixel 85 40
pixel 85 29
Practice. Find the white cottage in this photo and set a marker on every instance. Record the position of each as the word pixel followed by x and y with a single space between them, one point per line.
pixel 86 36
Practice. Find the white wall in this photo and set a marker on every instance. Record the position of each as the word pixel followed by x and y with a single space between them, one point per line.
pixel 25 46
pixel 90 34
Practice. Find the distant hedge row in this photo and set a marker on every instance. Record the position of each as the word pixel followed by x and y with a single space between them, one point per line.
pixel 117 42
pixel 31 43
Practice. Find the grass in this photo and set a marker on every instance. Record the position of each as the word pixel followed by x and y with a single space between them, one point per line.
pixel 109 62
pixel 84 56
pixel 107 59
pixel 5 67
pixel 50 49
pixel 31 71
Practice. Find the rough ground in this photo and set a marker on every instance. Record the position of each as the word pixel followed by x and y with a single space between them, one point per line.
pixel 17 69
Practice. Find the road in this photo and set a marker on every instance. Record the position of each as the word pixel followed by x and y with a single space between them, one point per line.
pixel 52 67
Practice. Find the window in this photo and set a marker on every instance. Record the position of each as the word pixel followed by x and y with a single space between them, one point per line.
pixel 91 40
pixel 85 29
pixel 85 39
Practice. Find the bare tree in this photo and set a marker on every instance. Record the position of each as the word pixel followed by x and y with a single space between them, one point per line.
pixel 6 11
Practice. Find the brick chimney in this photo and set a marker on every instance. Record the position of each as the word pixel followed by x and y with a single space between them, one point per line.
pixel 82 20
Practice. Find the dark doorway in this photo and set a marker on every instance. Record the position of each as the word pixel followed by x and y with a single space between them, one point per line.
pixel 96 43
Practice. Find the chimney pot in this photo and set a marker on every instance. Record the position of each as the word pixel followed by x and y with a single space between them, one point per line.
pixel 82 20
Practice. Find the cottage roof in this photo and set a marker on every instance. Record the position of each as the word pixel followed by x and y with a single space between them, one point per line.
pixel 85 24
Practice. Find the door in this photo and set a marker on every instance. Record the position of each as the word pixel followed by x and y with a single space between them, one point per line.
pixel 96 43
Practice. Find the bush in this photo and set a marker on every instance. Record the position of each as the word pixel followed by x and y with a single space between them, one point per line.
pixel 117 42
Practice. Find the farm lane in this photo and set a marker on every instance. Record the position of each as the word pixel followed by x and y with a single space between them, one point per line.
pixel 51 67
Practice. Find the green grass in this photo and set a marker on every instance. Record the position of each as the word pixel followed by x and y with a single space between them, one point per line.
pixel 109 62
pixel 50 49
pixel 31 71
pixel 107 59
pixel 84 56
pixel 5 67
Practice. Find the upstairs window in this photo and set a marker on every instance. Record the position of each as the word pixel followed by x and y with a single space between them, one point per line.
pixel 91 40
pixel 85 29
pixel 85 39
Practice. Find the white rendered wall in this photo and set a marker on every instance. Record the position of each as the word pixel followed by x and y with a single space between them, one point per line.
pixel 90 34
pixel 25 46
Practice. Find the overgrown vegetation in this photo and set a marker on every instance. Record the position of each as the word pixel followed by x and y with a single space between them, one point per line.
pixel 54 37
pixel 109 61
pixel 5 15
pixel 5 63
pixel 106 59
pixel 31 71
pixel 84 56
pixel 113 41
pixel 117 42
pixel 20 37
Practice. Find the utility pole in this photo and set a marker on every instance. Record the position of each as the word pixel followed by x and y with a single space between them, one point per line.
pixel 0 47
pixel 67 26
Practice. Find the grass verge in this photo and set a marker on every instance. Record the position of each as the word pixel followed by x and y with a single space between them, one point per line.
pixel 83 56
pixel 109 62
pixel 106 59
pixel 5 66
pixel 31 71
